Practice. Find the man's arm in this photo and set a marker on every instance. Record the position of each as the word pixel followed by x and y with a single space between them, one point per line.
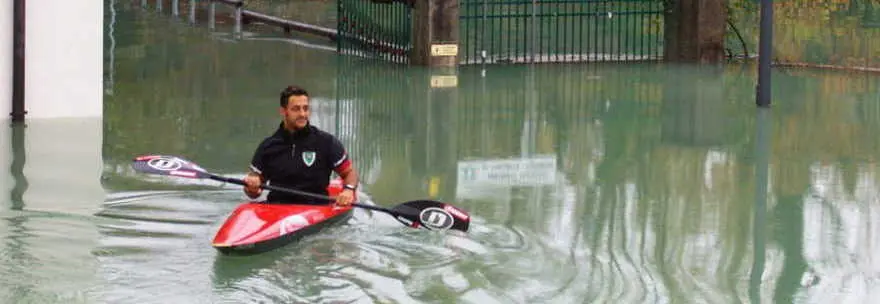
pixel 342 164
pixel 349 175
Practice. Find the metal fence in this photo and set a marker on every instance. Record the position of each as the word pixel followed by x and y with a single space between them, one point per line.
pixel 514 31
pixel 374 28
pixel 498 31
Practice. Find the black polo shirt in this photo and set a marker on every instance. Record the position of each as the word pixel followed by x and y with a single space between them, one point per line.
pixel 302 160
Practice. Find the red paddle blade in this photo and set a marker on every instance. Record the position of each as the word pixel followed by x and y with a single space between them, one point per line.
pixel 168 165
pixel 432 215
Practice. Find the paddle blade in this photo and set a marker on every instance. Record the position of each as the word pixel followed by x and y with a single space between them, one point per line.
pixel 168 165
pixel 432 215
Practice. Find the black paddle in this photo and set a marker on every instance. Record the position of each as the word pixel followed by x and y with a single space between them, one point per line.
pixel 430 214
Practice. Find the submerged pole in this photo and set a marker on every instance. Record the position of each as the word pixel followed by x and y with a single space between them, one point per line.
pixel 238 9
pixel 18 40
pixel 192 11
pixel 765 52
pixel 211 10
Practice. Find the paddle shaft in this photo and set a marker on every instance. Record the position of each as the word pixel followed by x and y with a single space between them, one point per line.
pixel 297 192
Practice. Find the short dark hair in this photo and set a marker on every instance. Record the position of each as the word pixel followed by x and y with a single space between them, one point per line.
pixel 291 90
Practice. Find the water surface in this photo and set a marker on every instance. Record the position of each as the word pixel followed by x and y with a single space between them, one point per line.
pixel 636 183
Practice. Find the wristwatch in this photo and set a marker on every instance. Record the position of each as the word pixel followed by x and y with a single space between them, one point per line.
pixel 350 187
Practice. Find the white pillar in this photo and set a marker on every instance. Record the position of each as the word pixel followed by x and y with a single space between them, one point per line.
pixel 63 138
pixel 63 58
pixel 5 61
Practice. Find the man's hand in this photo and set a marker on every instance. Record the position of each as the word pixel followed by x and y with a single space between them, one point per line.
pixel 252 187
pixel 345 198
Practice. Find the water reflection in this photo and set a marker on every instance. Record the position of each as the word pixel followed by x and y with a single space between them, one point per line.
pixel 19 181
pixel 759 238
pixel 39 242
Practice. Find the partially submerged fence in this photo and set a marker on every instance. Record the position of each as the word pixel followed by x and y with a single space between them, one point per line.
pixel 487 31
pixel 380 29
pixel 560 30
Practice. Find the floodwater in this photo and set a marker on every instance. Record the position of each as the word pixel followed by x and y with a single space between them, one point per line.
pixel 602 183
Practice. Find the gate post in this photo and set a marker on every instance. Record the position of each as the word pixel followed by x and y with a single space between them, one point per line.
pixel 695 31
pixel 435 33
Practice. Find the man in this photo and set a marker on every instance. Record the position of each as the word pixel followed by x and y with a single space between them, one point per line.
pixel 299 156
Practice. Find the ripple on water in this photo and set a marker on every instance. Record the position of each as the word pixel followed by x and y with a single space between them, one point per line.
pixel 161 245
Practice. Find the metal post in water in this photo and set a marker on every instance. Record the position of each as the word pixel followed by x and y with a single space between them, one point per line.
pixel 765 51
pixel 18 62
pixel 238 9
pixel 211 19
pixel 192 11
pixel 175 9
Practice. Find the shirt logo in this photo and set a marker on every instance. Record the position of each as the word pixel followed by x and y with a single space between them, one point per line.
pixel 308 158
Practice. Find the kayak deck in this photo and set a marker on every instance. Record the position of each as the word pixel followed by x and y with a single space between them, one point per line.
pixel 256 227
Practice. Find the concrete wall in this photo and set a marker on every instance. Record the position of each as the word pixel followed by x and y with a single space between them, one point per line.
pixel 64 58
pixel 5 59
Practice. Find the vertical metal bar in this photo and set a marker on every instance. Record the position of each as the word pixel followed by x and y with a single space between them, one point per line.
pixel 212 8
pixel 192 11
pixel 379 28
pixel 506 34
pixel 159 5
pixel 175 8
pixel 569 30
pixel 541 34
pixel 483 52
pixel 595 47
pixel 641 26
pixel 627 30
pixel 618 31
pixel 533 31
pixel 523 12
pixel 463 31
pixel 18 60
pixel 615 33
pixel 238 9
pixel 765 53
pixel 605 30
pixel 556 19
pixel 580 36
pixel 144 3
pixel 493 29
pixel 340 26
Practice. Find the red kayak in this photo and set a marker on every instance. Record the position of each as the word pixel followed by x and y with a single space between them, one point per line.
pixel 256 227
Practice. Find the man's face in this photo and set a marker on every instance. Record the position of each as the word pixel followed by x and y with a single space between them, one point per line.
pixel 296 115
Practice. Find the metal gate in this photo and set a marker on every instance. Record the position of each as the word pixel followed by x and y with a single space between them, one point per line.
pixel 375 28
pixel 518 31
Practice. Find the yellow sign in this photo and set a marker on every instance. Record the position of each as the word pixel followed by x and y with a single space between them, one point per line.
pixel 444 81
pixel 444 49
